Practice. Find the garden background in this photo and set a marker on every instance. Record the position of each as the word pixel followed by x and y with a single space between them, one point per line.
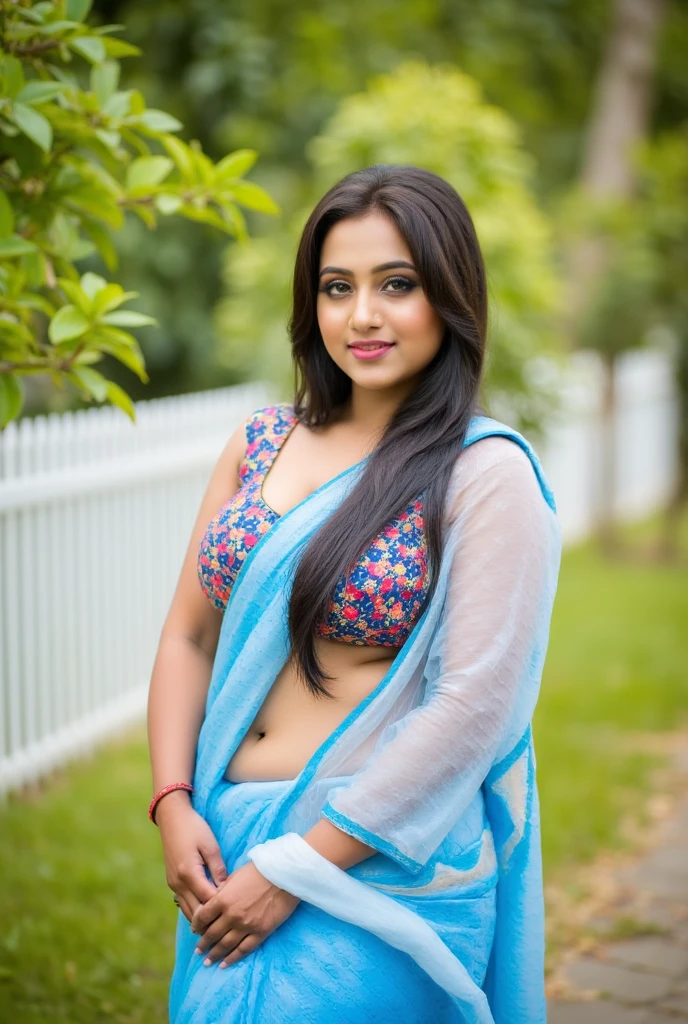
pixel 565 128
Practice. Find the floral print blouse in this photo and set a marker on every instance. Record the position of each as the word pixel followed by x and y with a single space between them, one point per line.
pixel 377 603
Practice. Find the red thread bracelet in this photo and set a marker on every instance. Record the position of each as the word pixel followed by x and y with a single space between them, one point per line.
pixel 163 792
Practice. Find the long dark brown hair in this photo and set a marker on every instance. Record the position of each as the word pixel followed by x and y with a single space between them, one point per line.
pixel 424 437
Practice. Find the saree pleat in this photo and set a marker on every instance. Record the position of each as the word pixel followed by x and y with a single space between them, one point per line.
pixel 434 769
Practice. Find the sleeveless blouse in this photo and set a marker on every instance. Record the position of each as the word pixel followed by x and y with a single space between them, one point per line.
pixel 378 602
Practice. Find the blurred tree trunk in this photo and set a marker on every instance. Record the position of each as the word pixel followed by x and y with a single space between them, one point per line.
pixel 623 93
pixel 619 120
pixel 606 487
pixel 670 544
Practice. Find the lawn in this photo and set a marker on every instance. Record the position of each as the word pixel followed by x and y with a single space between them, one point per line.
pixel 616 669
pixel 88 921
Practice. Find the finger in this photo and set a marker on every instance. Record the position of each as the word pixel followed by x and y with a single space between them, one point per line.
pixel 192 903
pixel 214 862
pixel 185 909
pixel 187 903
pixel 215 932
pixel 199 883
pixel 246 946
pixel 226 944
pixel 204 915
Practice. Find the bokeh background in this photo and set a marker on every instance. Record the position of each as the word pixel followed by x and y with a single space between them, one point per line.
pixel 564 126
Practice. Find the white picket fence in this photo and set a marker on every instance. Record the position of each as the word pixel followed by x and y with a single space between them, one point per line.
pixel 95 515
pixel 646 435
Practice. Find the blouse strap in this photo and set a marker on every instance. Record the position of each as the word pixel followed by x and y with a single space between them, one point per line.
pixel 266 431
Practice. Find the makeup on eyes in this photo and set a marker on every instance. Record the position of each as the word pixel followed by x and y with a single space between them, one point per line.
pixel 408 283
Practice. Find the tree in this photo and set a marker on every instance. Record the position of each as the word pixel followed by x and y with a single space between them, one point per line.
pixel 73 161
pixel 268 75
pixel 609 266
pixel 662 215
pixel 434 117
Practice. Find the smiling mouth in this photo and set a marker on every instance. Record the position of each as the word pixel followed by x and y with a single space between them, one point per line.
pixel 370 351
pixel 369 346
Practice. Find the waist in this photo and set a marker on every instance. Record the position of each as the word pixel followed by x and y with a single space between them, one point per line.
pixel 292 722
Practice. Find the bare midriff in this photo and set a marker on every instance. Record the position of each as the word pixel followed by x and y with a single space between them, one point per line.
pixel 292 722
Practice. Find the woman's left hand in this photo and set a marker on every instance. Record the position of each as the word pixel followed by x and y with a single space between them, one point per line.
pixel 244 911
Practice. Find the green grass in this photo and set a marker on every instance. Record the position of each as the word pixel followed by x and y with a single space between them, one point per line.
pixel 88 922
pixel 617 665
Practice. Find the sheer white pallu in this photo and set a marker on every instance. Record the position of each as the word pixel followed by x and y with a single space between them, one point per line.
pixel 435 769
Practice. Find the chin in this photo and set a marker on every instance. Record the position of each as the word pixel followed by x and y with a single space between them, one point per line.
pixel 378 383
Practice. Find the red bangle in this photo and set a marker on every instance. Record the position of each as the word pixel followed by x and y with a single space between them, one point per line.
pixel 163 792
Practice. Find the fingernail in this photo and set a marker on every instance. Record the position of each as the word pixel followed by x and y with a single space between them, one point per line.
pixel 197 950
pixel 207 962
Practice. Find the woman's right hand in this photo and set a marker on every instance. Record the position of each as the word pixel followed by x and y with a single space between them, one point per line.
pixel 188 845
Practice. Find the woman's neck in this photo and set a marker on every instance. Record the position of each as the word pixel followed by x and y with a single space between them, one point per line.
pixel 368 412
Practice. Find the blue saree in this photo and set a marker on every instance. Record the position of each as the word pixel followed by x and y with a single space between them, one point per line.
pixel 434 770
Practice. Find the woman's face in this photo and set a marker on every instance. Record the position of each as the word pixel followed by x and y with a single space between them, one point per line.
pixel 370 293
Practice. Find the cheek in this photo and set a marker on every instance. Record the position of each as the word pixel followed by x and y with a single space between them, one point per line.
pixel 331 318
pixel 416 321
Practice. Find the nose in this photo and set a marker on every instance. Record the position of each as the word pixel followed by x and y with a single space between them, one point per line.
pixel 364 314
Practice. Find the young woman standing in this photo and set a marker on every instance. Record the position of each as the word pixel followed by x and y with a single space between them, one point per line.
pixel 340 706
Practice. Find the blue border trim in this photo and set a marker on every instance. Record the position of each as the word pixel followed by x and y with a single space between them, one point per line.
pixel 504 430
pixel 502 767
pixel 370 839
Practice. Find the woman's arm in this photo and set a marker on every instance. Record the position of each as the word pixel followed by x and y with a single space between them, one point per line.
pixel 337 846
pixel 176 701
pixel 496 583
pixel 479 703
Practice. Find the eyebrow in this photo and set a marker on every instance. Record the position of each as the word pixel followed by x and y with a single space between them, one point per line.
pixel 392 265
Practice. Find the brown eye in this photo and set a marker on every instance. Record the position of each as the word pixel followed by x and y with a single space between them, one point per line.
pixel 402 284
pixel 331 285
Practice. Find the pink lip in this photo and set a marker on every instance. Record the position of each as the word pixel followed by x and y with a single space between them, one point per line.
pixel 374 353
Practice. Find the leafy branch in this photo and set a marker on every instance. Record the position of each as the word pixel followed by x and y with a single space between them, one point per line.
pixel 74 160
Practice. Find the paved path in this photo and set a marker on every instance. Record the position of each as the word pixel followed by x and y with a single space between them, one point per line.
pixel 642 980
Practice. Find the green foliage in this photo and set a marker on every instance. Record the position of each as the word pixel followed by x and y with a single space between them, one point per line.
pixel 268 74
pixel 614 313
pixel 434 117
pixel 644 241
pixel 74 160
pixel 662 209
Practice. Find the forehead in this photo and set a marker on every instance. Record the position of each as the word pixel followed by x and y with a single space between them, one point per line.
pixel 359 243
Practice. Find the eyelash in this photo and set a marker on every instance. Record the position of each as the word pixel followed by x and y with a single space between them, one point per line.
pixel 410 285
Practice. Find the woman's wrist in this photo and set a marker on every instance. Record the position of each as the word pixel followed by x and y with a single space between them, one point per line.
pixel 171 804
pixel 337 846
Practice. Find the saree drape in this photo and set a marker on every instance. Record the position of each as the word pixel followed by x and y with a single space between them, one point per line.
pixel 435 770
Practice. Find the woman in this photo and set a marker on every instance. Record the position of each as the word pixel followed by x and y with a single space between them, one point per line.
pixel 353 653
